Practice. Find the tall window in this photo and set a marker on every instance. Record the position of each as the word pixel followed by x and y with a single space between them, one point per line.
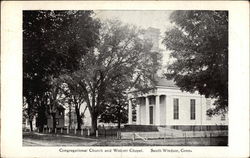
pixel 208 104
pixel 176 109
pixel 192 109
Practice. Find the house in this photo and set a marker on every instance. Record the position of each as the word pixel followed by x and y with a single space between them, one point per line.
pixel 60 112
pixel 167 105
pixel 26 123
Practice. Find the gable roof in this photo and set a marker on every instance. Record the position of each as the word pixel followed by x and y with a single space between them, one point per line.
pixel 160 82
pixel 163 82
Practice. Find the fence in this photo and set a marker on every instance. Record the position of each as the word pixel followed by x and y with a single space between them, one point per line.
pixel 167 135
pixel 115 133
pixel 100 133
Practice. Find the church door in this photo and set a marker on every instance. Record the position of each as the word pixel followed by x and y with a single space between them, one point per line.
pixel 151 112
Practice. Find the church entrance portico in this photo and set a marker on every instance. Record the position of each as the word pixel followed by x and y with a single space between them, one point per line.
pixel 147 110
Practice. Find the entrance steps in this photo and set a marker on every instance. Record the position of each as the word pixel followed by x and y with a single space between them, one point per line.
pixel 140 128
pixel 145 132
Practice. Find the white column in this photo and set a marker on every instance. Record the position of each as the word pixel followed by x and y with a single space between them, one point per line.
pixel 138 116
pixel 166 104
pixel 157 110
pixel 147 111
pixel 169 110
pixel 129 111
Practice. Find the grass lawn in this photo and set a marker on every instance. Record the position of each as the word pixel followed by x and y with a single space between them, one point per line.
pixel 37 139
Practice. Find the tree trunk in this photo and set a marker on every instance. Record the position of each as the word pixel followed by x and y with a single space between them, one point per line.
pixel 119 124
pixel 93 124
pixel 31 126
pixel 119 120
pixel 29 101
pixel 41 117
pixel 78 117
pixel 54 121
pixel 119 117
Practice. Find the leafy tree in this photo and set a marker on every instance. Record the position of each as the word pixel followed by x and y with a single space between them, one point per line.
pixel 74 95
pixel 198 42
pixel 53 42
pixel 116 104
pixel 121 58
pixel 115 112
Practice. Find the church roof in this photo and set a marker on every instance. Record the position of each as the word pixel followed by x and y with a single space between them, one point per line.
pixel 163 82
pixel 160 82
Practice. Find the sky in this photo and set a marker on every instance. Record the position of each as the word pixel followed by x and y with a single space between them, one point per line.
pixel 143 19
pixel 158 19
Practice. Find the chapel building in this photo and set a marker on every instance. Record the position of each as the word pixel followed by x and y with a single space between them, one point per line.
pixel 167 105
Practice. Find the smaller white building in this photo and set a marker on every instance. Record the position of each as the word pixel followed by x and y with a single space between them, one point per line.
pixel 71 118
pixel 168 105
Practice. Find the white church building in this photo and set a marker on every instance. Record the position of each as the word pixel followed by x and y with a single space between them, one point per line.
pixel 168 105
